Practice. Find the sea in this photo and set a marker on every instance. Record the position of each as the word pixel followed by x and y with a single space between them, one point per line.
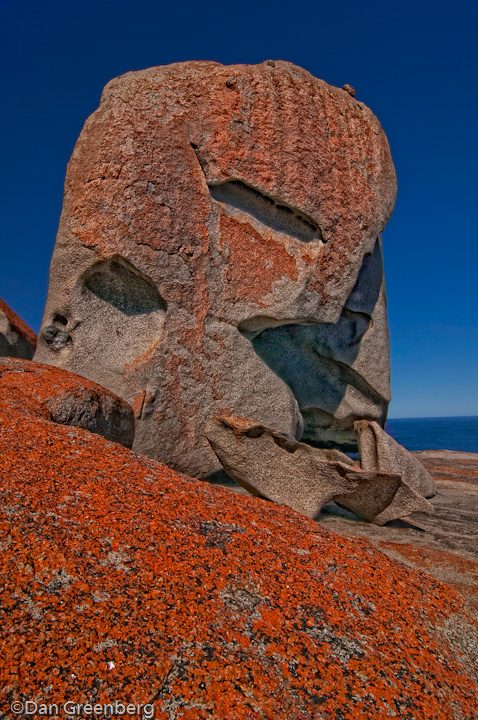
pixel 439 433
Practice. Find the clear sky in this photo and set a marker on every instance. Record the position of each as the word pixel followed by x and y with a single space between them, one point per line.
pixel 414 63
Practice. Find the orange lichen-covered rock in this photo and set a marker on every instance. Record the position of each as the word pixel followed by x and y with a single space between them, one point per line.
pixel 205 206
pixel 16 338
pixel 64 398
pixel 126 582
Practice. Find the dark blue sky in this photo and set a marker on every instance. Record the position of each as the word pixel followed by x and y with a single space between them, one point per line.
pixel 414 63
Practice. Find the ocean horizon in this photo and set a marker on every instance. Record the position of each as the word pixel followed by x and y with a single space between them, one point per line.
pixel 436 433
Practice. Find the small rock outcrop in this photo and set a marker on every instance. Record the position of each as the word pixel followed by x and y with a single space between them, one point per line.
pixel 443 544
pixel 279 468
pixel 126 581
pixel 65 398
pixel 219 251
pixel 16 338
pixel 381 453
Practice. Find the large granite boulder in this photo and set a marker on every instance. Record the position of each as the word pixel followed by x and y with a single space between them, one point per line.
pixel 125 582
pixel 218 251
pixel 62 397
pixel 16 338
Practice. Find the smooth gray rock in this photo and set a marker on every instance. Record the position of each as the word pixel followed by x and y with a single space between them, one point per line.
pixel 337 371
pixel 281 469
pixel 381 453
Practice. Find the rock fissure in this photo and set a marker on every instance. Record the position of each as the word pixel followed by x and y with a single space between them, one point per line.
pixel 267 210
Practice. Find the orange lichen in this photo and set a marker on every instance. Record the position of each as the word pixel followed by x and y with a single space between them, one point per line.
pixel 123 579
pixel 32 387
pixel 448 472
pixel 433 556
pixel 461 572
pixel 451 466
pixel 254 263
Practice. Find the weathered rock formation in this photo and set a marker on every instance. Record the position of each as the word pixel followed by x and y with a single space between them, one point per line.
pixel 443 544
pixel 289 472
pixel 381 453
pixel 339 371
pixel 218 252
pixel 62 397
pixel 123 580
pixel 16 338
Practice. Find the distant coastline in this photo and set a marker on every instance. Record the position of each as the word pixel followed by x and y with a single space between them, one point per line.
pixel 439 433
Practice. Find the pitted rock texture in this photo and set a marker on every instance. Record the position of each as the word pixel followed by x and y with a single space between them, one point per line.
pixel 281 469
pixel 380 452
pixel 125 580
pixel 16 338
pixel 65 398
pixel 204 206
